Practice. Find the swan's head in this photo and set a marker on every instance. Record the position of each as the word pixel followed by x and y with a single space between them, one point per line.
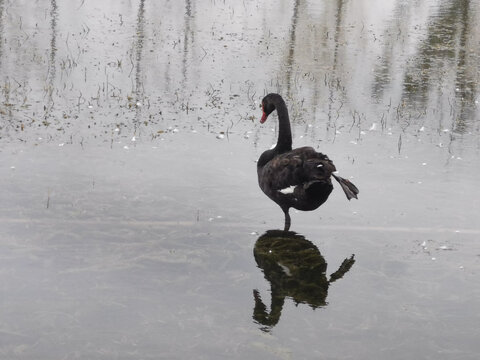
pixel 268 105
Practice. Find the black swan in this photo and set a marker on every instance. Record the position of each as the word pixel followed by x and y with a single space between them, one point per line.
pixel 299 178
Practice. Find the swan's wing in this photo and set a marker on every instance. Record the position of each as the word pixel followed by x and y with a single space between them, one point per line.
pixel 296 167
pixel 282 172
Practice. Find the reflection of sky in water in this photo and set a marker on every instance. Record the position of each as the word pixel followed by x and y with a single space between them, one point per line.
pixel 128 138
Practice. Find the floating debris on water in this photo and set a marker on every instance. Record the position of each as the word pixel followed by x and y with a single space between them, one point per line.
pixel 220 136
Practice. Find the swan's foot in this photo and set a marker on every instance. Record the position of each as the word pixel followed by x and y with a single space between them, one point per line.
pixel 349 189
pixel 287 221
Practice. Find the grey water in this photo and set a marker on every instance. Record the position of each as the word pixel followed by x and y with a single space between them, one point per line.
pixel 131 222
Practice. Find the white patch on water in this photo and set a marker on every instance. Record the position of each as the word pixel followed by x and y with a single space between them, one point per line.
pixel 288 190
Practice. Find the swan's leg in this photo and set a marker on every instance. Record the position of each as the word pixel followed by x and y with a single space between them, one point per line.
pixel 287 220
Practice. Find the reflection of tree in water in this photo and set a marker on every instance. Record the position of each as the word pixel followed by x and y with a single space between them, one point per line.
pixel 313 51
pixel 188 38
pixel 335 78
pixel 52 57
pixel 444 48
pixel 1 31
pixel 295 268
pixel 395 35
pixel 291 47
pixel 139 93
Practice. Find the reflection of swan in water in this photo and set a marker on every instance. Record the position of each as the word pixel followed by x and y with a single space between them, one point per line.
pixel 295 268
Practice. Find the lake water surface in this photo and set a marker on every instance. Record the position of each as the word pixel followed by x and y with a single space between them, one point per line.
pixel 131 222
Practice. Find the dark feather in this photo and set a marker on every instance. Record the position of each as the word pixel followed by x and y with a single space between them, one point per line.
pixel 297 167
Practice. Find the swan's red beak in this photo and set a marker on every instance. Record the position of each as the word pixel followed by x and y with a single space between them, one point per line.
pixel 264 118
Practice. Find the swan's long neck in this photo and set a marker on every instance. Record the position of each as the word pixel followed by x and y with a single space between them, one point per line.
pixel 284 142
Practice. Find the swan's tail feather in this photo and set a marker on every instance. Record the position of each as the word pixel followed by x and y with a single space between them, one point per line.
pixel 350 190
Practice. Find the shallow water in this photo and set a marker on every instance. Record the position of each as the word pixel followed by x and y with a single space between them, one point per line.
pixel 131 212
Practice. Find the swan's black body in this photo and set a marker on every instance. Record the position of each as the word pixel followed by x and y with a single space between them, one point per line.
pixel 299 178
